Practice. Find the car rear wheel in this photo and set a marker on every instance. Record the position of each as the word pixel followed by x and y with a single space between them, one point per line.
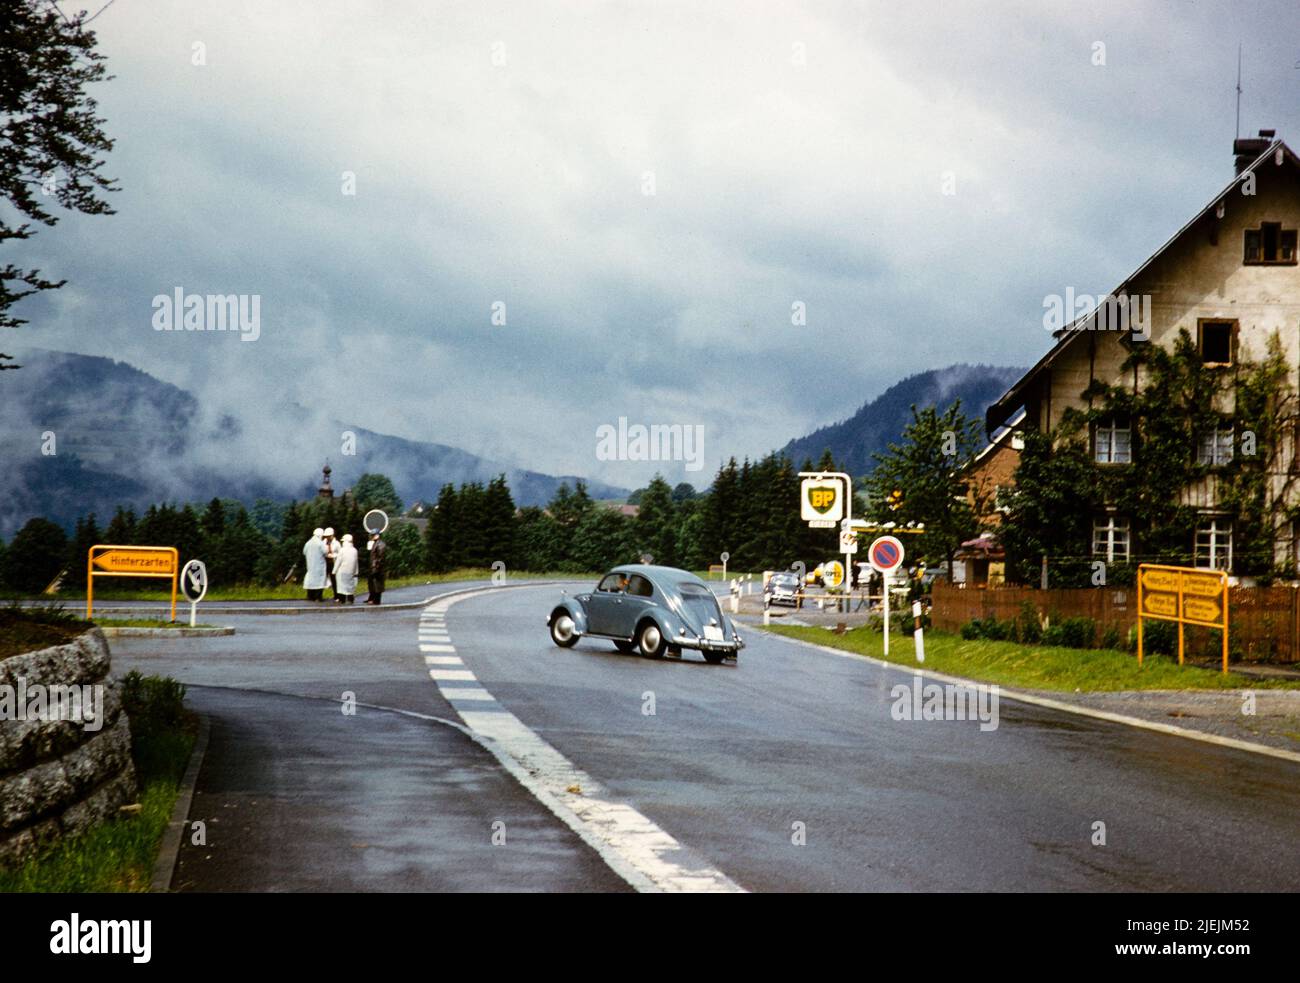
pixel 650 641
pixel 563 631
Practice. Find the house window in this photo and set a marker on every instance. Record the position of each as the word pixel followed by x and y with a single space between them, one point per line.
pixel 1110 539
pixel 1215 341
pixel 1214 544
pixel 1214 449
pixel 1114 442
pixel 1270 244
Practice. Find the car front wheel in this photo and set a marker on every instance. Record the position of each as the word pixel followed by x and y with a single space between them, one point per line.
pixel 650 641
pixel 563 632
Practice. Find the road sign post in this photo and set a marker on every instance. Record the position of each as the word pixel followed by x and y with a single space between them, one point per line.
pixel 917 632
pixel 106 560
pixel 1185 595
pixel 194 585
pixel 885 555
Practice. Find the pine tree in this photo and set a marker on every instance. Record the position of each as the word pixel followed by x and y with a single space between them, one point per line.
pixel 439 538
pixel 654 530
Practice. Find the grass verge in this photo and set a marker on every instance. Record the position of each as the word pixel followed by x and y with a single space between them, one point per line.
pixel 1040 667
pixel 118 855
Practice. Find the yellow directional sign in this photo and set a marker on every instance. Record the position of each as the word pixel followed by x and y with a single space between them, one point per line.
pixel 1160 605
pixel 130 561
pixel 1184 595
pixel 158 561
pixel 1201 609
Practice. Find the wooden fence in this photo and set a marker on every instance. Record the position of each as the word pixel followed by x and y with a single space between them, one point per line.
pixel 1263 622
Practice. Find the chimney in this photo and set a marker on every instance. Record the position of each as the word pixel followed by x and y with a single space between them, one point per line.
pixel 1251 147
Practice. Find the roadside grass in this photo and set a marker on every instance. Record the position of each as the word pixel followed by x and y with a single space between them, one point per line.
pixel 118 855
pixel 293 590
pixel 1040 667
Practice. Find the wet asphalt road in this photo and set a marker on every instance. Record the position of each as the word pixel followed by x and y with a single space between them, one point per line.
pixel 732 759
pixel 734 756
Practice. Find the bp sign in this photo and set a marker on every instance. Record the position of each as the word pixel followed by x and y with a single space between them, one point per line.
pixel 886 554
pixel 822 501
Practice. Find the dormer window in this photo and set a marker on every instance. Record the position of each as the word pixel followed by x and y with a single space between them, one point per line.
pixel 1270 245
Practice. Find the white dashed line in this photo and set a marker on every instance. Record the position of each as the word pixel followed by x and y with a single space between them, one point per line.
pixel 437 648
pixel 464 674
pixel 454 693
pixel 442 660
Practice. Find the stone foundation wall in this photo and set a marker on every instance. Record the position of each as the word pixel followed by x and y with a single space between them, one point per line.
pixel 57 777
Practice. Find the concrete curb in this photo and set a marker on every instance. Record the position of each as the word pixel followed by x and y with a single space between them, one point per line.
pixel 111 632
pixel 169 849
pixel 1050 704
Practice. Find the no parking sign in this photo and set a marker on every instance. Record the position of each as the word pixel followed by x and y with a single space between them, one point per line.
pixel 886 554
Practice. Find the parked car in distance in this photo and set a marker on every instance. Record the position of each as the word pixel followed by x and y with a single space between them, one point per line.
pixel 657 610
pixel 783 588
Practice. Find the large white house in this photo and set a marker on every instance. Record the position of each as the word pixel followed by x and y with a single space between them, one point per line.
pixel 1229 277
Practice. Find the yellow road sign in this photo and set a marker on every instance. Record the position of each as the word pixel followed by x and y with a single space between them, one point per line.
pixel 152 561
pixel 1201 609
pixel 1184 595
pixel 130 561
pixel 1160 605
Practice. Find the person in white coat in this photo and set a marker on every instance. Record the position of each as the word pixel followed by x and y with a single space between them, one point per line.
pixel 317 577
pixel 331 555
pixel 346 568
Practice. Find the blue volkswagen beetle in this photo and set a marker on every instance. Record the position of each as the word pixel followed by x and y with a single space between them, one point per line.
pixel 657 610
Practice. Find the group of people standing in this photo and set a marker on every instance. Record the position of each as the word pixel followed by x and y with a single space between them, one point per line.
pixel 335 563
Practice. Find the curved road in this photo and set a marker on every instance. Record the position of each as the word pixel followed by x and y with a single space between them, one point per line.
pixel 735 756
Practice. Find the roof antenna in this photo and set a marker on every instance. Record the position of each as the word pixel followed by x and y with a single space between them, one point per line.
pixel 1238 133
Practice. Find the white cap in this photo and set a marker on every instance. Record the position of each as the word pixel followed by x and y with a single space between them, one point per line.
pixel 318 532
pixel 347 537
pixel 329 531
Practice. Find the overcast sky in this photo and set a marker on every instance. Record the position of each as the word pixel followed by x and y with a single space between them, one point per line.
pixel 501 152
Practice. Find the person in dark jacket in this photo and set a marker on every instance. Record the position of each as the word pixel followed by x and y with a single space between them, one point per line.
pixel 375 581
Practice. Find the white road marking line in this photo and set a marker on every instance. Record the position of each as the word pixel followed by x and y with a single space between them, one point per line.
pixel 442 660
pixel 437 648
pixel 450 674
pixel 454 693
pixel 634 847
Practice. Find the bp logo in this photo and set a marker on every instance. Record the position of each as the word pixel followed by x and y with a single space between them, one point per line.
pixel 822 500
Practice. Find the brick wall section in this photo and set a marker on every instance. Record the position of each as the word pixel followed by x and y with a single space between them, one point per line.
pixel 1264 622
pixel 56 777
